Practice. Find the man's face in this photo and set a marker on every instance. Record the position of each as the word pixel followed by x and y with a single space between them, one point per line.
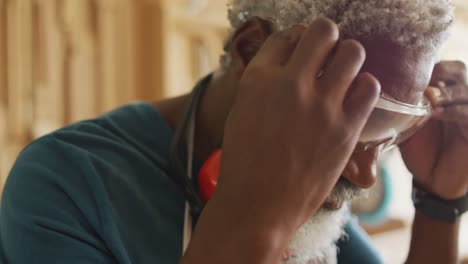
pixel 403 77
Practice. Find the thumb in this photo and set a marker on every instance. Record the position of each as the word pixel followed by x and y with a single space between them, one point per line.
pixel 361 100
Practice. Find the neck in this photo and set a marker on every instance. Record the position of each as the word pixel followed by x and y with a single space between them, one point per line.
pixel 211 115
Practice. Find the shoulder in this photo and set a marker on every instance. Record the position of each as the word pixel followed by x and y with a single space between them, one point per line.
pixel 72 181
pixel 124 139
pixel 132 131
pixel 84 158
pixel 40 201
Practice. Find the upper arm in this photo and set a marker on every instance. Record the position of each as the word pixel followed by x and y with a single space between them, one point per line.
pixel 44 212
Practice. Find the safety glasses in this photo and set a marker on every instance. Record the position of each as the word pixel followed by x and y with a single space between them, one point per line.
pixel 393 122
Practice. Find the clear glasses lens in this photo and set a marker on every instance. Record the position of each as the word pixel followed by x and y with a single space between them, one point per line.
pixel 391 123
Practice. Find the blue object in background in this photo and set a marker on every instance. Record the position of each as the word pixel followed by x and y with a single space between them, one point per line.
pixel 357 247
pixel 378 215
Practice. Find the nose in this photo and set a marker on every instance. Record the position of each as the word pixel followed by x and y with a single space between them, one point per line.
pixel 361 169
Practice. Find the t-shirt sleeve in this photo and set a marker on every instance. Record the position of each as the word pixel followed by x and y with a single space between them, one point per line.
pixel 44 211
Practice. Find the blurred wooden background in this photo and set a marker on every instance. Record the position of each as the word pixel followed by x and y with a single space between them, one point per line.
pixel 67 60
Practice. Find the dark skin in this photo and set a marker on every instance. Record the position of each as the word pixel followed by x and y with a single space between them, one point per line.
pixel 442 169
pixel 277 70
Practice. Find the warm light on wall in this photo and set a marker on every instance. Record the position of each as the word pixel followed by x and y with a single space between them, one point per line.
pixel 68 60
pixel 457 45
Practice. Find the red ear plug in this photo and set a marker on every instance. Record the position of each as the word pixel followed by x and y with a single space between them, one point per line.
pixel 208 176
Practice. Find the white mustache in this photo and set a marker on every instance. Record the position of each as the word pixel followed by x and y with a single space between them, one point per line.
pixel 346 191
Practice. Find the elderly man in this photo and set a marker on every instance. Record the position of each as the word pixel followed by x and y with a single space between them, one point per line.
pixel 307 95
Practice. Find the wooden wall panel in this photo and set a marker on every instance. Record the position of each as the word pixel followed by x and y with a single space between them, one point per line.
pixel 3 91
pixel 66 60
pixel 148 50
pixel 81 59
pixel 116 53
pixel 192 28
pixel 50 83
pixel 19 70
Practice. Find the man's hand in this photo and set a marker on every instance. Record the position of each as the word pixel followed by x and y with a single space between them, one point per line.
pixel 290 134
pixel 287 140
pixel 437 155
pixel 437 158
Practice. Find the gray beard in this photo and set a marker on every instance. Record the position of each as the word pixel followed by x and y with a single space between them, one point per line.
pixel 315 241
pixel 346 191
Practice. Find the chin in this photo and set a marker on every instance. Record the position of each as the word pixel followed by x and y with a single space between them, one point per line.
pixel 314 242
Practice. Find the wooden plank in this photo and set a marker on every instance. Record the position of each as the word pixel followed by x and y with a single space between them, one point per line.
pixel 3 92
pixel 49 89
pixel 82 60
pixel 148 50
pixel 19 81
pixel 108 52
pixel 19 41
pixel 123 42
pixel 3 54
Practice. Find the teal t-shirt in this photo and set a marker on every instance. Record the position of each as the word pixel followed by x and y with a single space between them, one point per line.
pixel 95 192
pixel 99 191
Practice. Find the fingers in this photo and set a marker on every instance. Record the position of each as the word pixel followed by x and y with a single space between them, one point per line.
pixel 305 49
pixel 313 49
pixel 361 100
pixel 449 72
pixel 456 113
pixel 343 69
pixel 279 46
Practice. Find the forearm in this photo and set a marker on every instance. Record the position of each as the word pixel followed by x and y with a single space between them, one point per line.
pixel 222 236
pixel 433 241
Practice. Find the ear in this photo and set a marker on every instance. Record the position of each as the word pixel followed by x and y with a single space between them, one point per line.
pixel 248 39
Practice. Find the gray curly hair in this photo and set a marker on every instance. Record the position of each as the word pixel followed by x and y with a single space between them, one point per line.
pixel 422 24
